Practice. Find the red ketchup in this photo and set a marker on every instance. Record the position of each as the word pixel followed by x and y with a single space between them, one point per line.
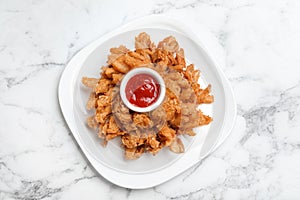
pixel 142 90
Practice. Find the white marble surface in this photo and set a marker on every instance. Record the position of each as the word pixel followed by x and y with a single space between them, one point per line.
pixel 258 45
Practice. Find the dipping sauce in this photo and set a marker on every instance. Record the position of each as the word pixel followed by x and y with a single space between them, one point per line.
pixel 142 90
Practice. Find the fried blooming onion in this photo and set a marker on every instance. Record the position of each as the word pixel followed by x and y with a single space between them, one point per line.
pixel 177 115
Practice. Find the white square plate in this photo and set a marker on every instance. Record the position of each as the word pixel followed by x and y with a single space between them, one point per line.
pixel 148 170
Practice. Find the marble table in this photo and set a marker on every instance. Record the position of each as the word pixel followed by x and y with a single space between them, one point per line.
pixel 257 44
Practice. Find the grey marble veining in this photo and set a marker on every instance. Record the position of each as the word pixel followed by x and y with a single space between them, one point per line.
pixel 257 44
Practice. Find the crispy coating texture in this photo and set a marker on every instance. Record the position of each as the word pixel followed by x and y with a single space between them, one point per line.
pixel 149 132
pixel 142 120
pixel 166 135
pixel 90 82
pixel 115 53
pixel 169 44
pixel 177 146
pixel 143 41
pixel 91 101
